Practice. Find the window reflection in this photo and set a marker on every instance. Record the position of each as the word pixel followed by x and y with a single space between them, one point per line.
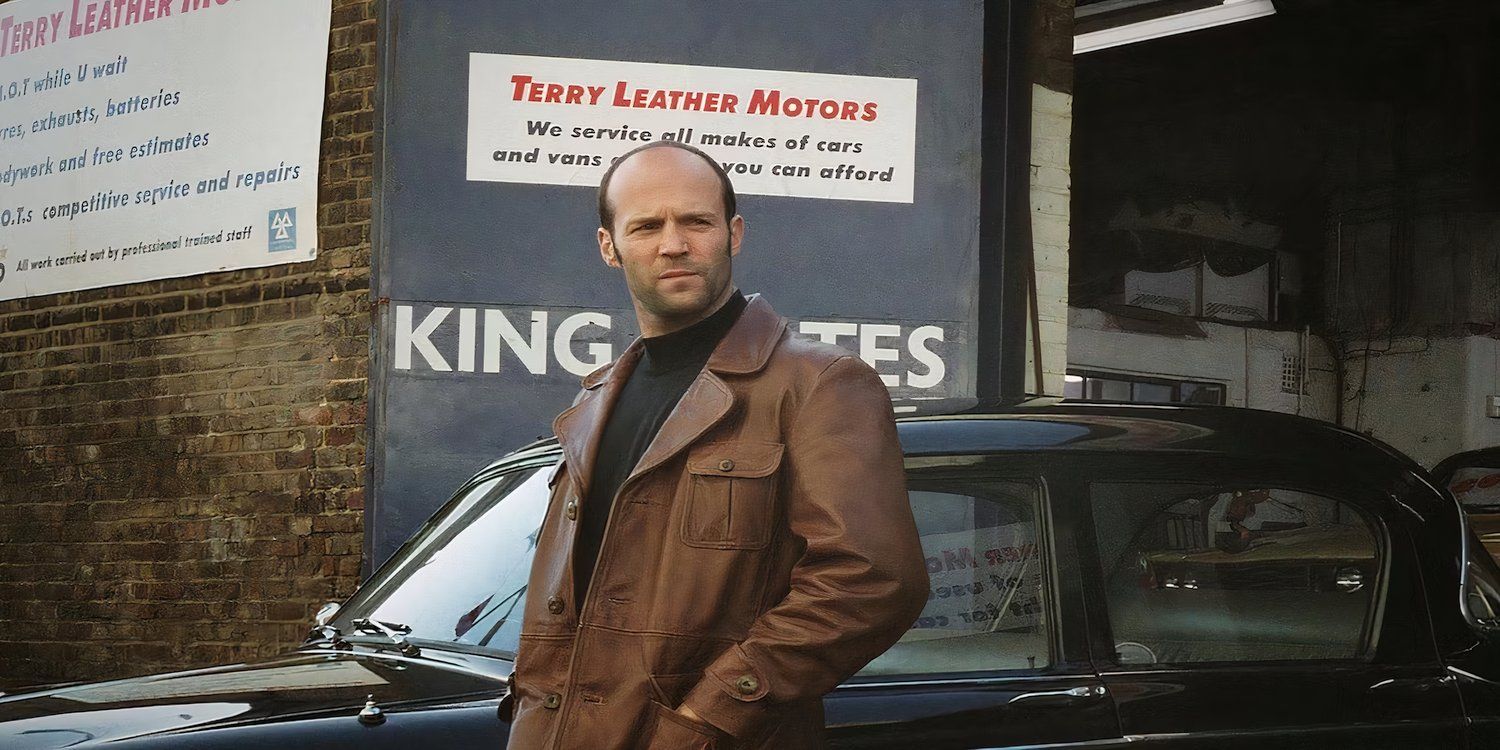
pixel 465 583
pixel 1197 574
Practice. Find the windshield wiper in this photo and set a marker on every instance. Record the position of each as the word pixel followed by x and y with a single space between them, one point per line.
pixel 394 631
pixel 514 598
pixel 329 634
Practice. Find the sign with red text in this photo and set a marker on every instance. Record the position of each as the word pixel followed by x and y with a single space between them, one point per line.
pixel 987 579
pixel 147 139
pixel 563 121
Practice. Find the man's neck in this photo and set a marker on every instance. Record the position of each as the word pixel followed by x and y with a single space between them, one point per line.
pixel 691 346
pixel 653 325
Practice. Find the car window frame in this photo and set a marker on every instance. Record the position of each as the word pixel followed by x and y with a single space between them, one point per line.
pixel 1473 554
pixel 1062 660
pixel 1373 625
pixel 1472 549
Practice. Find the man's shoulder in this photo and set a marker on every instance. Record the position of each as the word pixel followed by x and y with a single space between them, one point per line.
pixel 808 358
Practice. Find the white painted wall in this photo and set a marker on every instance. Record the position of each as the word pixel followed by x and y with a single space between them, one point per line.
pixel 1481 430
pixel 1247 361
pixel 1425 397
pixel 1051 195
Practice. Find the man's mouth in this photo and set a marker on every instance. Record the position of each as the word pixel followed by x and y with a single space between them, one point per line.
pixel 675 273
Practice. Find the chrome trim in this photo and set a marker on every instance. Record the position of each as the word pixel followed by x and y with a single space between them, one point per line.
pixel 1106 742
pixel 963 681
pixel 1095 691
pixel 1470 675
pixel 1463 550
pixel 1463 564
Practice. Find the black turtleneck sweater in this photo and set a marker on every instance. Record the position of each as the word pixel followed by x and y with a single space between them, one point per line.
pixel 668 365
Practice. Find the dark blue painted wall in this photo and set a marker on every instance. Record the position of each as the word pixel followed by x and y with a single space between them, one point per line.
pixel 442 241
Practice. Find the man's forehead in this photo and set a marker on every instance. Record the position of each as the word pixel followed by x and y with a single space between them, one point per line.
pixel 663 165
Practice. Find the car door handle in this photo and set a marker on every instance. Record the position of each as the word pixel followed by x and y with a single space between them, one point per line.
pixel 1057 698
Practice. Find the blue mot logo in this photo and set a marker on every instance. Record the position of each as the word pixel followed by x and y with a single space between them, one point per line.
pixel 283 234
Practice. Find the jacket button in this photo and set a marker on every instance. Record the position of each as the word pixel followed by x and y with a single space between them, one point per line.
pixel 553 700
pixel 747 684
pixel 554 605
pixel 726 465
pixel 571 510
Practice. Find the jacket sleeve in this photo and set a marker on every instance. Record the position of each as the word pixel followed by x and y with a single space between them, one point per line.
pixel 861 579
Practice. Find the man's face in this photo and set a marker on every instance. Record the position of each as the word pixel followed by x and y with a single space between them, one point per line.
pixel 671 238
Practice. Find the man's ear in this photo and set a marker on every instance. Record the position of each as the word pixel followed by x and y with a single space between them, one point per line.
pixel 607 248
pixel 736 234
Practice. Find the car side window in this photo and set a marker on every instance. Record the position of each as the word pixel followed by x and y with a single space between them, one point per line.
pixel 987 568
pixel 1240 573
pixel 1482 591
pixel 1482 586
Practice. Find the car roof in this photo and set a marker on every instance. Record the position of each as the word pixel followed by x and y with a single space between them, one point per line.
pixel 1058 424
pixel 939 426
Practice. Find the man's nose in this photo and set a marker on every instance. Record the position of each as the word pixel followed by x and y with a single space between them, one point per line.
pixel 673 240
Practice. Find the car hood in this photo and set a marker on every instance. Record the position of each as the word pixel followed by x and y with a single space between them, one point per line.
pixel 301 684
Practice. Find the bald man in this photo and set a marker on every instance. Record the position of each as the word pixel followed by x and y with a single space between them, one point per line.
pixel 728 536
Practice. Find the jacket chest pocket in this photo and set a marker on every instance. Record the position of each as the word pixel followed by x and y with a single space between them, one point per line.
pixel 731 495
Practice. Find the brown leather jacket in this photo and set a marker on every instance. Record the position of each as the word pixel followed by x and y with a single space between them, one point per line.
pixel 761 552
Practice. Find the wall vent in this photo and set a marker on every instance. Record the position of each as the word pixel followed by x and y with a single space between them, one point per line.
pixel 1162 302
pixel 1291 374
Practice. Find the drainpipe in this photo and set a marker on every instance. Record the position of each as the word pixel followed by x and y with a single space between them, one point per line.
pixel 1004 201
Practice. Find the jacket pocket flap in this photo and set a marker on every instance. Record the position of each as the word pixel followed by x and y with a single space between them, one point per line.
pixel 741 459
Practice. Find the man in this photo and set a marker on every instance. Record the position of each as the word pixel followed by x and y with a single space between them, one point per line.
pixel 728 536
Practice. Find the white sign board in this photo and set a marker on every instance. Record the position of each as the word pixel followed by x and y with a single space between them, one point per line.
pixel 563 121
pixel 145 139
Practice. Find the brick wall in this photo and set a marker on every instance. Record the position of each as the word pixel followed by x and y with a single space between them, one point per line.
pixel 182 461
pixel 1051 186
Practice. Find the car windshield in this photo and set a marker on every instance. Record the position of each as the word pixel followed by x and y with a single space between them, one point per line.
pixel 461 581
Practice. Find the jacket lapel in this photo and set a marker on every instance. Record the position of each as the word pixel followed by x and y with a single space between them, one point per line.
pixel 706 401
pixel 579 427
pixel 744 349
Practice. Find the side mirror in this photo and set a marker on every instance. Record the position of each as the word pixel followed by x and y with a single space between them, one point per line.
pixel 325 614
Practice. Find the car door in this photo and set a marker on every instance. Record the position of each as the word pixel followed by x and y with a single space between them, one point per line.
pixel 998 657
pixel 1249 604
pixel 1474 479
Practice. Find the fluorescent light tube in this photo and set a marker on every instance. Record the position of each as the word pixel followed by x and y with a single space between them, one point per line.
pixel 1232 11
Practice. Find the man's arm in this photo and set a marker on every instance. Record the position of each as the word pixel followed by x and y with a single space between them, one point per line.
pixel 861 581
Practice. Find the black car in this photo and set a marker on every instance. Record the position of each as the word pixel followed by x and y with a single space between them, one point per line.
pixel 1102 576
